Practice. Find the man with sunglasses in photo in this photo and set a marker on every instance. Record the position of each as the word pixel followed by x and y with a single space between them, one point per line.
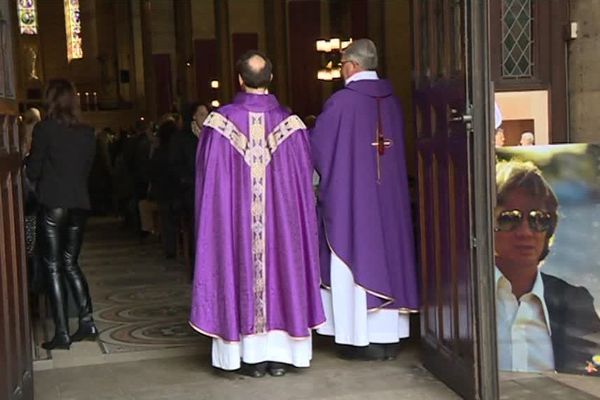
pixel 543 322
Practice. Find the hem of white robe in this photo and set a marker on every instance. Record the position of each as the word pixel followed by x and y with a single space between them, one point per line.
pixel 347 317
pixel 275 346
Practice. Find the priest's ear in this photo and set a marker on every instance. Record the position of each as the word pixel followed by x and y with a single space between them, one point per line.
pixel 241 81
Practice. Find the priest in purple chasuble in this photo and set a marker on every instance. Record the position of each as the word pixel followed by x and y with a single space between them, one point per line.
pixel 368 268
pixel 256 281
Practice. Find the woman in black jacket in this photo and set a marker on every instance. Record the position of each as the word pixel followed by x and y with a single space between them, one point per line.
pixel 59 164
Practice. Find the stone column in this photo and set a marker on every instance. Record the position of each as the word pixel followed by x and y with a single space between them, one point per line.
pixel 276 40
pixel 186 79
pixel 148 67
pixel 376 28
pixel 224 48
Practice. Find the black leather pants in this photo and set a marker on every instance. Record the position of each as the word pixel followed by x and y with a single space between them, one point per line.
pixel 61 235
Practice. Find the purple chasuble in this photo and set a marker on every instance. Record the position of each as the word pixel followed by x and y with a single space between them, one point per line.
pixel 256 228
pixel 364 202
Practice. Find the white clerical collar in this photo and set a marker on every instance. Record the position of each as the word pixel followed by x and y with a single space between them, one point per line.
pixel 537 291
pixel 363 76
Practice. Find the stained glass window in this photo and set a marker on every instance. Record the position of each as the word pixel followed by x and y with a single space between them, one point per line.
pixel 73 27
pixel 517 39
pixel 27 17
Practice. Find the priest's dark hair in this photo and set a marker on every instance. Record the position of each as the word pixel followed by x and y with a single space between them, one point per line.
pixel 253 78
pixel 62 102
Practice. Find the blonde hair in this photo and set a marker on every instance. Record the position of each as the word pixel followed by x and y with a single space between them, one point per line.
pixel 31 116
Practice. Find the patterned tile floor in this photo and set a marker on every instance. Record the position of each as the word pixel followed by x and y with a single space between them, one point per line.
pixel 141 299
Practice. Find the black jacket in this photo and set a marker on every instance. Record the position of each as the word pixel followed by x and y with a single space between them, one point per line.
pixel 572 319
pixel 59 163
pixel 164 183
pixel 136 154
pixel 182 160
pixel 182 154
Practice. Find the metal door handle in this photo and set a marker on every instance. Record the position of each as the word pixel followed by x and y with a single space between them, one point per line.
pixel 455 116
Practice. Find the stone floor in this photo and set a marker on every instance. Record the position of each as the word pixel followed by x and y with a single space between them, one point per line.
pixel 187 378
pixel 146 351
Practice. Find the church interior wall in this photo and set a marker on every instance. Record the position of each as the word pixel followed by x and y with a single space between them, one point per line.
pixel 107 49
pixel 203 19
pixel 84 72
pixel 398 66
pixel 137 70
pixel 333 24
pixel 584 79
pixel 112 41
pixel 107 57
pixel 124 52
pixel 246 30
pixel 163 27
pixel 303 30
pixel 248 17
pixel 163 43
pixel 204 49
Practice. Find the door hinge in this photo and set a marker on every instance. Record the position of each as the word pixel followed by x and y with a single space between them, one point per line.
pixel 473 242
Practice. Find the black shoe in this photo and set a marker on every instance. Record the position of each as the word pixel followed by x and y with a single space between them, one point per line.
pixel 253 370
pixel 391 351
pixel 85 332
pixel 277 369
pixel 60 342
pixel 372 352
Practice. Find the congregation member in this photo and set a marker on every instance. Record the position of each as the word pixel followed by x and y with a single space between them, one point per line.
pixel 59 164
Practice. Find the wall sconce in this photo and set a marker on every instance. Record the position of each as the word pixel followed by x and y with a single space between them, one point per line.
pixel 214 84
pixel 332 50
pixel 332 45
pixel 329 73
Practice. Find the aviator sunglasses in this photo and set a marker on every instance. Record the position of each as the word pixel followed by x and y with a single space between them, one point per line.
pixel 539 221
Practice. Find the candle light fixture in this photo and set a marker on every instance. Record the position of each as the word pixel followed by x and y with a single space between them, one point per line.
pixel 331 50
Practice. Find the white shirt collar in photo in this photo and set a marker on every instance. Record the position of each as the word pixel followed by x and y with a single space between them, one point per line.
pixel 537 290
pixel 363 76
pixel 523 327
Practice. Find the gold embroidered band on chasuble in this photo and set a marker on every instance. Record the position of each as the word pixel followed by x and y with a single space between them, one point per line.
pixel 257 151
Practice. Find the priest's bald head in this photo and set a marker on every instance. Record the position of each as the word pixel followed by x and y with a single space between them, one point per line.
pixel 360 55
pixel 254 71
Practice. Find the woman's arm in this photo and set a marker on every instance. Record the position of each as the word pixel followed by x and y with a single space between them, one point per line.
pixel 39 149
